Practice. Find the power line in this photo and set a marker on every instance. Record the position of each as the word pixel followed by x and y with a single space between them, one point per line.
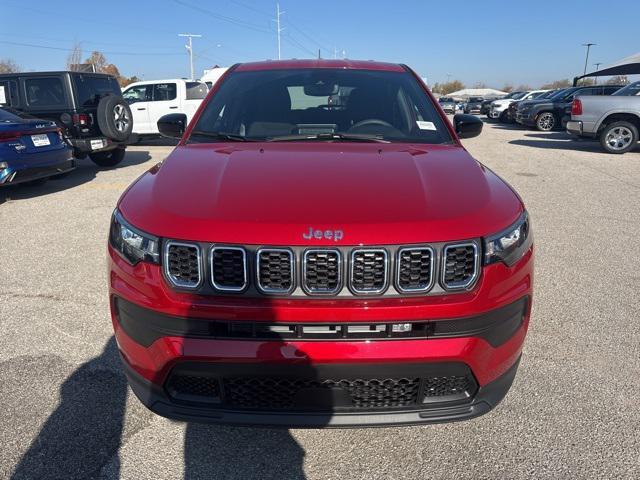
pixel 235 21
pixel 48 47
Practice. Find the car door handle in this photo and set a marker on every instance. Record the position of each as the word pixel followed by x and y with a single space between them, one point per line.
pixel 173 108
pixel 140 109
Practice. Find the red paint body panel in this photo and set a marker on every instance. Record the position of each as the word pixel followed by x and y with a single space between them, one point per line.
pixel 271 193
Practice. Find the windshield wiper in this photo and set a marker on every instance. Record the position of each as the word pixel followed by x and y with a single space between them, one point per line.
pixel 348 137
pixel 220 136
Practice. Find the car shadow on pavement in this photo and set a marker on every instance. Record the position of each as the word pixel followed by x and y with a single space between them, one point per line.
pixel 567 144
pixel 84 172
pixel 84 432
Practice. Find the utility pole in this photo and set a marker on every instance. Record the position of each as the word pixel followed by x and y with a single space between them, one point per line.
pixel 597 68
pixel 448 77
pixel 586 60
pixel 189 48
pixel 278 29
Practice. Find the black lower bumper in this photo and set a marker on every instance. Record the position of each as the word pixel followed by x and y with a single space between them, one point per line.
pixel 36 173
pixel 96 144
pixel 479 401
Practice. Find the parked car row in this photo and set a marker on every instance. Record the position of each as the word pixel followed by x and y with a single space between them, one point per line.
pixel 50 119
pixel 609 113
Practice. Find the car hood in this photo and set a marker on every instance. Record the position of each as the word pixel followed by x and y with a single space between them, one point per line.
pixel 504 102
pixel 268 193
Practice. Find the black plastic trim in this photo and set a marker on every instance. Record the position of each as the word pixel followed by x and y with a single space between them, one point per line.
pixel 145 326
pixel 487 397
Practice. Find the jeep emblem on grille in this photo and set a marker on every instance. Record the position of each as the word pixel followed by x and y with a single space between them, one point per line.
pixel 335 235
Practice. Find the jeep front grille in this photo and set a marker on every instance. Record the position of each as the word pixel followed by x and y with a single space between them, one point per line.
pixel 415 269
pixel 336 271
pixel 322 271
pixel 460 265
pixel 369 271
pixel 229 268
pixel 275 267
pixel 183 264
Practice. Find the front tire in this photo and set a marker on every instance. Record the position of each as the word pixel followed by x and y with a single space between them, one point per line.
pixel 619 137
pixel 108 159
pixel 546 122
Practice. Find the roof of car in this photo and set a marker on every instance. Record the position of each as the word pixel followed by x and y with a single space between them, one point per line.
pixel 318 63
pixel 53 72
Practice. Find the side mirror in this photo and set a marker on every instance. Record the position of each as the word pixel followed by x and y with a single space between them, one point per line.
pixel 467 126
pixel 172 125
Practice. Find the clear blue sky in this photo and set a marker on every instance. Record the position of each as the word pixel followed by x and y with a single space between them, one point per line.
pixel 487 41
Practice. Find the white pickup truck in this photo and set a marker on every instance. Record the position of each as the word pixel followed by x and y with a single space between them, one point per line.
pixel 150 100
pixel 612 119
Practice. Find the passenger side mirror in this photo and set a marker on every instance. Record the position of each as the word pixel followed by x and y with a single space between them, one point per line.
pixel 172 125
pixel 467 126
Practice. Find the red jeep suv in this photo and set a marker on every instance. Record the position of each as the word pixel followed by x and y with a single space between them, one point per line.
pixel 320 250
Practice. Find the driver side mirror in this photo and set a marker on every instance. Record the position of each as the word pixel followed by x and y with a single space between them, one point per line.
pixel 172 125
pixel 467 126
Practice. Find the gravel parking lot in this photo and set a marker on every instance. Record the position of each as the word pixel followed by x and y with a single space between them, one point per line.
pixel 572 412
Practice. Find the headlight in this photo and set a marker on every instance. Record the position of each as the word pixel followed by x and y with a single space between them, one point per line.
pixel 511 244
pixel 131 243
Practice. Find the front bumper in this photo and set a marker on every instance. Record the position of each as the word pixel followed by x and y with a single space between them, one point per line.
pixel 160 333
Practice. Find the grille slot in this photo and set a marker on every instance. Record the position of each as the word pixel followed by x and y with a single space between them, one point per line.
pixel 369 271
pixel 322 271
pixel 437 389
pixel 229 268
pixel 183 265
pixel 415 269
pixel 193 387
pixel 460 266
pixel 275 270
pixel 281 393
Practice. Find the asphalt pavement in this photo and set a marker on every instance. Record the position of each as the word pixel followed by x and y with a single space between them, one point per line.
pixel 572 412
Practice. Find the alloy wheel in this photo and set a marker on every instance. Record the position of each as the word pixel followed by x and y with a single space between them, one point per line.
pixel 619 138
pixel 121 118
pixel 546 121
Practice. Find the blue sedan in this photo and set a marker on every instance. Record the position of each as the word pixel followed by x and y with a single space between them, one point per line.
pixel 31 149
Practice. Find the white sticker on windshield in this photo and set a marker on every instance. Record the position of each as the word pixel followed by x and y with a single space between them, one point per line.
pixel 3 96
pixel 425 125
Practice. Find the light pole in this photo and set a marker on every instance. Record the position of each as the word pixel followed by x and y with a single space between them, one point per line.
pixel 586 60
pixel 189 48
pixel 597 68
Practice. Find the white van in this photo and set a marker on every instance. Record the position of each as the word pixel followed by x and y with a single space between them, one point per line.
pixel 152 99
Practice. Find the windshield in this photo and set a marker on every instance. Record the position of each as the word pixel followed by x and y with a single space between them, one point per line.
pixel 475 99
pixel 633 89
pixel 519 95
pixel 327 104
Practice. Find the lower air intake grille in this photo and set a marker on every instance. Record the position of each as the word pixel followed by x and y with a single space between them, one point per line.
pixel 458 386
pixel 229 268
pixel 183 265
pixel 368 271
pixel 280 393
pixel 321 271
pixel 186 387
pixel 460 266
pixel 415 269
pixel 275 270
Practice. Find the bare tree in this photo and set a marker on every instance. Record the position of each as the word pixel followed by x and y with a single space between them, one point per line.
pixel 618 80
pixel 8 66
pixel 74 59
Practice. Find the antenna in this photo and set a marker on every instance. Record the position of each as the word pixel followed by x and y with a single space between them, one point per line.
pixel 189 48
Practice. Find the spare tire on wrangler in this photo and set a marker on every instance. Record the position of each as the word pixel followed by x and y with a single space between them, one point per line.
pixel 114 118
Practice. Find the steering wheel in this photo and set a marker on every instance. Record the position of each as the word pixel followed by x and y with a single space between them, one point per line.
pixel 372 121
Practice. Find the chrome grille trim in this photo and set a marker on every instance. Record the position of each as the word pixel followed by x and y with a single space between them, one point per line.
pixel 277 291
pixel 386 271
pixel 476 267
pixel 432 272
pixel 311 291
pixel 245 270
pixel 165 267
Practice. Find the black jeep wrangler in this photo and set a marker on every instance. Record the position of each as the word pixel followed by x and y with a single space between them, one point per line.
pixel 88 107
